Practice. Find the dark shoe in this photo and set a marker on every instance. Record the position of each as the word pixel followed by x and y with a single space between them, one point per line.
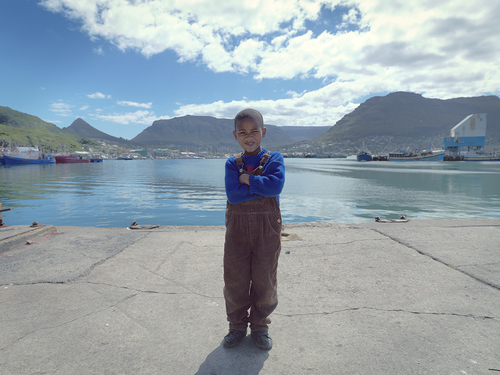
pixel 262 340
pixel 233 338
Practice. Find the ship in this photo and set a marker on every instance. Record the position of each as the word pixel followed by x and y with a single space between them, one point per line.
pixel 403 155
pixel 75 157
pixel 28 159
pixel 477 156
pixel 364 154
pixel 26 155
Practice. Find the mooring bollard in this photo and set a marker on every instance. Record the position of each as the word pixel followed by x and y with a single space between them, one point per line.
pixel 1 218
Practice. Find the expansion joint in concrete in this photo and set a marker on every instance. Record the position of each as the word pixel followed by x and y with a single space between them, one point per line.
pixel 482 281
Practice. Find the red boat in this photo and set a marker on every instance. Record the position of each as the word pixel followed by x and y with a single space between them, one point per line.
pixel 73 159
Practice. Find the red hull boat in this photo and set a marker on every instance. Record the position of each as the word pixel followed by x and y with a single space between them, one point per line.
pixel 72 159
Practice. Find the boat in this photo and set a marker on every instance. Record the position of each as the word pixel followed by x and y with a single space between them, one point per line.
pixel 364 154
pixel 28 159
pixel 478 156
pixel 125 157
pixel 76 157
pixel 71 159
pixel 404 155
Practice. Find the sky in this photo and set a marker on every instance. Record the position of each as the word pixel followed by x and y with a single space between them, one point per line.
pixel 122 64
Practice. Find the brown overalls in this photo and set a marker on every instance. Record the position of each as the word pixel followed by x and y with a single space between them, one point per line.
pixel 251 251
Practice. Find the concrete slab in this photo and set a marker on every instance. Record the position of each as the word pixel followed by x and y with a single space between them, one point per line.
pixel 14 236
pixel 373 298
pixel 470 248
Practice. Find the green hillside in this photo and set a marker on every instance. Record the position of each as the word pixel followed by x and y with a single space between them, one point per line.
pixel 27 130
pixel 404 114
pixel 83 129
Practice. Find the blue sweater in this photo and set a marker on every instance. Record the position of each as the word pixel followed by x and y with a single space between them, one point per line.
pixel 269 184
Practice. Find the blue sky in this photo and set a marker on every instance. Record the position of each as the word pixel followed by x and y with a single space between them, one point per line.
pixel 121 64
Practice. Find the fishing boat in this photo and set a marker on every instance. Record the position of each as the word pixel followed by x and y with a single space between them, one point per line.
pixel 478 156
pixel 404 155
pixel 28 159
pixel 364 154
pixel 76 157
pixel 125 157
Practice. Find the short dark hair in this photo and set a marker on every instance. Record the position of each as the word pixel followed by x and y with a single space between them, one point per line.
pixel 250 114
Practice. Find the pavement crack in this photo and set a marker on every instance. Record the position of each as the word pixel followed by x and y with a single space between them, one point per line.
pixel 102 261
pixel 85 273
pixel 127 288
pixel 434 313
pixel 178 284
pixel 482 281
pixel 160 264
pixel 134 289
pixel 68 321
pixel 153 291
pixel 472 316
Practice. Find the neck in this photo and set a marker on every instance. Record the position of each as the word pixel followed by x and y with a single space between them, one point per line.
pixel 252 153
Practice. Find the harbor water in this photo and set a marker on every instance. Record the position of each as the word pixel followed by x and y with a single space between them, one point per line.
pixel 191 192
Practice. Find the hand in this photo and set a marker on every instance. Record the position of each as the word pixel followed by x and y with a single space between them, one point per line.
pixel 245 178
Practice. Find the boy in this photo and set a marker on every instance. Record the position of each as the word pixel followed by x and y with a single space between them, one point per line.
pixel 254 179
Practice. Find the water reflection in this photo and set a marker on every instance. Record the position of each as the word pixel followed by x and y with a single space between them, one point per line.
pixel 417 190
pixel 191 192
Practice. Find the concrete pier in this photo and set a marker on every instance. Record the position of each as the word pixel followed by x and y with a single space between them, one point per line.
pixel 421 297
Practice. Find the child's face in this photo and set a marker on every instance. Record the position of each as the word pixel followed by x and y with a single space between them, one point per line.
pixel 249 135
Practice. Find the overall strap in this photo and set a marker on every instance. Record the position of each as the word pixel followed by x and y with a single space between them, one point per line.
pixel 239 162
pixel 266 156
pixel 239 159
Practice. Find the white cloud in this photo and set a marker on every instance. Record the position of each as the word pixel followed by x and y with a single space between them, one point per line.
pixel 438 48
pixel 233 36
pixel 84 108
pixel 317 108
pixel 61 108
pixel 138 117
pixel 98 95
pixel 135 104
pixel 99 50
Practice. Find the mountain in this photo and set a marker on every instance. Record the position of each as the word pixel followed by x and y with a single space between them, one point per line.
pixel 84 129
pixel 302 133
pixel 404 114
pixel 23 129
pixel 203 132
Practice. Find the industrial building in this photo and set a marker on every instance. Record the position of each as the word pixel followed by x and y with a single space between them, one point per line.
pixel 467 137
